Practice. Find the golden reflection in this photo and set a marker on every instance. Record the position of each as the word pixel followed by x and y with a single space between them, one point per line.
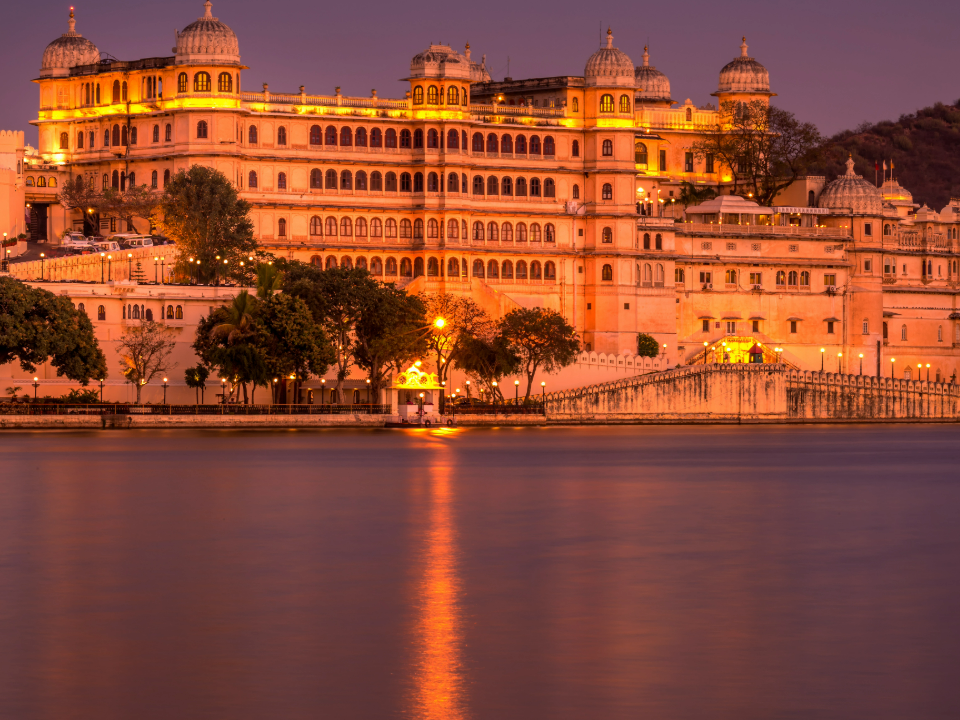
pixel 439 685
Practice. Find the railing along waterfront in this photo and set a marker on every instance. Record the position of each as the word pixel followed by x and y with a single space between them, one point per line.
pixel 38 408
pixel 732 229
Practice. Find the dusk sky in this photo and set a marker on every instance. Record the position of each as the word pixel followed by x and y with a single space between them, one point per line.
pixel 833 63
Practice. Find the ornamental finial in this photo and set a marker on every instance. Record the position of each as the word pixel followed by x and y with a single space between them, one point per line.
pixel 743 47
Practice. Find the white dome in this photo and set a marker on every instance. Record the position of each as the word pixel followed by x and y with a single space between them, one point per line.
pixel 609 66
pixel 67 51
pixel 850 193
pixel 651 83
pixel 207 40
pixel 744 75
pixel 440 61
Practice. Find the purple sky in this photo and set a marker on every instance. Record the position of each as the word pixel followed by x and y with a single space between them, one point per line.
pixel 833 63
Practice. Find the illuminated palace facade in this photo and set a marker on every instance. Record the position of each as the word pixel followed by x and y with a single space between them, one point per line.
pixel 556 192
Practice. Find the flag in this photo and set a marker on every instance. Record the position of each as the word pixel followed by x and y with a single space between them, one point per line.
pixel 884 165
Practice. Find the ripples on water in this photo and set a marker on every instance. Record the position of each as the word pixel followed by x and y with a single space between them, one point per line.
pixel 623 572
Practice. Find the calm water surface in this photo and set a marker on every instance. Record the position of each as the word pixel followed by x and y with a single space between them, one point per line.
pixel 652 572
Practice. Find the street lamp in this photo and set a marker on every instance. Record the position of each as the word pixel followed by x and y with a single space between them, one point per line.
pixel 165 391
pixel 102 258
pixel 223 391
pixel 494 396
pixel 109 267
pixel 516 393
pixel 468 388
pixel 705 344
pixel 928 372
pixel 839 362
pixel 156 266
pixel 101 389
pixel 919 372
pixel 892 361
pixel 822 351
pixel 36 384
pixel 861 363
pixel 543 396
pixel 129 266
pixel 162 270
pixel 323 390
pixel 42 257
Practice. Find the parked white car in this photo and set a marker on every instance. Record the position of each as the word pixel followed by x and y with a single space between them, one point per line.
pixel 130 241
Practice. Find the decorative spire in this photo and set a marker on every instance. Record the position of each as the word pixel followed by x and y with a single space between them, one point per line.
pixel 646 57
pixel 72 23
pixel 468 51
pixel 609 38
pixel 207 14
pixel 850 164
pixel 743 47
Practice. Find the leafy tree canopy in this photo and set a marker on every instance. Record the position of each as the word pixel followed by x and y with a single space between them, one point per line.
pixel 391 334
pixel 541 338
pixel 647 346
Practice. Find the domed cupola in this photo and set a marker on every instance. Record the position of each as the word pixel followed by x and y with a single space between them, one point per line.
pixel 67 51
pixel 850 193
pixel 652 85
pixel 438 62
pixel 609 66
pixel 207 41
pixel 744 75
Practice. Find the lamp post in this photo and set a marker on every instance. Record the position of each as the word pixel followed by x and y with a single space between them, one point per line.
pixel 101 389
pixel 323 390
pixel 162 270
pixel 494 399
pixel 839 362
pixel 368 392
pixel 543 397
pixel 705 345
pixel 822 351
pixel 102 258
pixel 516 393
pixel 223 391
pixel 36 384
pixel 42 271
pixel 420 413
pixel 892 361
pixel 468 388
pixel 129 266
pixel 165 391
pixel 919 372
pixel 216 272
pixel 928 372
pixel 156 267
pixel 861 363
pixel 109 268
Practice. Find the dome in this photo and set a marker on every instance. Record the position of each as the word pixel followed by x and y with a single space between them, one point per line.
pixel 651 83
pixel 851 193
pixel 609 66
pixel 67 51
pixel 207 40
pixel 440 61
pixel 894 193
pixel 744 75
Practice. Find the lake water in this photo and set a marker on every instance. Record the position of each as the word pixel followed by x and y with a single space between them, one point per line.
pixel 562 573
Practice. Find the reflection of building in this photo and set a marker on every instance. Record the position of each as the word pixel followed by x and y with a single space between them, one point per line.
pixel 524 192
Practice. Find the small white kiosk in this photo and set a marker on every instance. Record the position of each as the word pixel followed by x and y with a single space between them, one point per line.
pixel 414 394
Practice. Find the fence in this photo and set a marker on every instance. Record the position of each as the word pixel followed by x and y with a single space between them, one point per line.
pixel 62 409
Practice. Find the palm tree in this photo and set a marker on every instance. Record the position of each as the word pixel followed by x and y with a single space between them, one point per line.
pixel 239 324
pixel 690 194
pixel 269 280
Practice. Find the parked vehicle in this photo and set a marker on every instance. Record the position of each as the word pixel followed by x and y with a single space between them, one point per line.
pixel 130 241
pixel 109 246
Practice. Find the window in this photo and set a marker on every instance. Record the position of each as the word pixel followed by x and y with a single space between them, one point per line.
pixel 168 133
pixel 534 187
pixel 418 267
pixel 868 229
pixel 506 232
pixel 607 192
pixel 706 277
pixel 709 163
pixel 406 229
pixel 390 228
pixel 453 96
pixel 330 135
pixel 330 180
pixel 281 181
pixel 64 141
pixel 805 279
pixel 534 144
pixel 549 233
pixel 939 333
pixel 576 192
pixel 316 179
pixel 478 230
pixel 252 135
pixel 575 148
pixel 281 135
pixel 156 133
pixel 405 182
pixel 658 242
pixel 453 229
pixel 663 161
pixel 575 104
pixel 154 179
pixel 866 327
pixel 756 278
pixel 316 226
pixel 793 327
pixel 433 228
pixel 640 153
pixel 418 95
pixel 315 135
pixel 608 148
pixel 792 278
pixel 201 82
pixel 360 227
pixel 830 279
pixel 433 138
pixel 179 313
pixel 781 279
pixel 506 186
pixel 281 228
pixel 731 277
pixel 453 138
pixel 606 273
pixel 793 248
pixel 101 313
pixel 346 180
pixel 116 135
pixel 405 138
pixel 830 327
pixel 361 183
pixel 688 162
pixel 391 182
pixel 166 177
pixel 520 187
pixel 705 327
pixel 535 232
pixel 520 147
pixel 493 185
pixel 731 327
pixel 678 275
pixel 549 147
pixel 506 270
pixel 202 129
pixel 607 235
pixel 606 104
pixel 225 83
pixel 903 332
pixel 493 269
pixel 360 137
pixel 624 104
pixel 330 227
pixel 346 227
pixel 376 181
pixel 477 185
pixel 253 179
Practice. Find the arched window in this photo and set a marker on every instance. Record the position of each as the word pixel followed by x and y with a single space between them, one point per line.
pixel 646 241
pixel 282 228
pixel 805 279
pixel 453 229
pixel 607 191
pixel 361 263
pixel 184 88
pixel 115 95
pixel 202 129
pixel 640 153
pixel 433 95
pixel 331 263
pixel 607 273
pixel 453 95
pixel 576 192
pixel 123 135
pixel 939 333
pixel 534 144
pixel 418 182
pixel 607 235
pixel 391 266
pixel 418 267
pixel 478 230
pixel 376 266
pixel 433 267
pixel 225 82
pixel 154 180
pixel 812 199
pixel 549 146
pixel 253 179
pixel 647 277
pixel 433 228
pixel 549 270
pixel 346 136
pixel 453 268
pixel 376 181
pixel 781 278
pixel 281 181
pixel 493 185
pixel 624 104
pixel 463 183
pixel 453 138
pixel 406 267
pixel 64 141
pixel 376 228
pixel 418 95
pixel 520 146
pixel 405 182
pixel 549 188
pixel 903 332
pixel 608 148
pixel 201 82
pixel 391 182
pixel 731 277
pixel 793 278
pixel 116 135
pixel 575 148
pixel 390 228
pixel 101 313
pixel 493 232
pixel 477 142
pixel 360 227
pixel 478 268
pixel 689 114
pixel 658 242
pixel 549 233
pixel 346 180
pixel 156 133
pixel 521 270
pixel 405 138
pixel 330 180
pixel 252 135
pixel 168 133
pixel 521 232
pixel 535 232
pixel 376 138
pixel 493 144
pixel 330 135
pixel 658 275
pixel 178 314
pixel 346 227
pixel 606 104
pixel 506 270
pixel 115 180
pixel 477 185
pixel 534 187
pixel 453 184
pixel 390 138
pixel 406 228
pixel 106 137
pixel 316 137
pixel 166 177
pixel 330 227
pixel 433 138
pixel 493 269
pixel 361 183
pixel 316 226
pixel 281 135
pixel 316 178
pixel 536 272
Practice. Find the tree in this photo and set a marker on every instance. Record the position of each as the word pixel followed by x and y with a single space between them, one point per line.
pixel 228 340
pixel 541 338
pixel 647 346
pixel 460 320
pixel 391 334
pixel 37 326
pixel 691 194
pixel 489 361
pixel 764 148
pixel 145 351
pixel 136 201
pixel 204 214
pixel 269 280
pixel 196 378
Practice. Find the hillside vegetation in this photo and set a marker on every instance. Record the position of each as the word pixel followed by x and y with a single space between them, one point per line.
pixel 924 147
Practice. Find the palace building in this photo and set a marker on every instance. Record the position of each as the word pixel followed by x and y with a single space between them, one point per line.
pixel 558 192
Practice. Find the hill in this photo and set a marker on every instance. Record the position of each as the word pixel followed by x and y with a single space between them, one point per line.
pixel 924 147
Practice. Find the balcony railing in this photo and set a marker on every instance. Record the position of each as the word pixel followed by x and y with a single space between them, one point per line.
pixel 788 230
